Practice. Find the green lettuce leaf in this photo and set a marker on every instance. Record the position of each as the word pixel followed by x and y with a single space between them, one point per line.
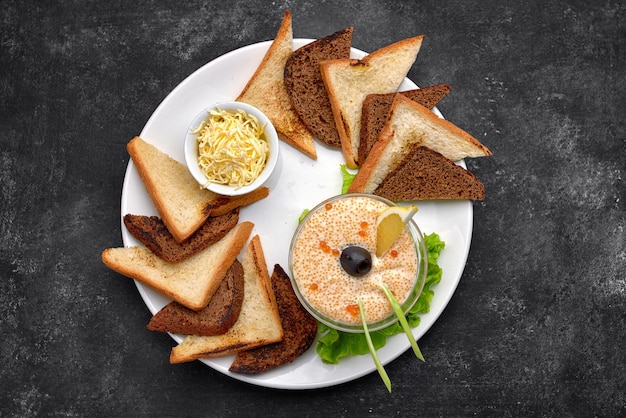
pixel 304 213
pixel 347 178
pixel 333 345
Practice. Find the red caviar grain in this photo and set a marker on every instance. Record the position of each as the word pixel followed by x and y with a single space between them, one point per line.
pixel 393 253
pixel 314 286
pixel 335 252
pixel 362 233
pixel 364 225
pixel 328 206
pixel 324 247
pixel 353 309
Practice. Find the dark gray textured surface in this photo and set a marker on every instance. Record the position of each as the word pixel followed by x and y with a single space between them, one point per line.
pixel 536 327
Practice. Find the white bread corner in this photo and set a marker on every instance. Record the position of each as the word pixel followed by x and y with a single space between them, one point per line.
pixel 349 81
pixel 266 91
pixel 411 123
pixel 191 282
pixel 181 203
pixel 259 320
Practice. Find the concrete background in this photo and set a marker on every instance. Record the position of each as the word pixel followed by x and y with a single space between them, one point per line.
pixel 537 324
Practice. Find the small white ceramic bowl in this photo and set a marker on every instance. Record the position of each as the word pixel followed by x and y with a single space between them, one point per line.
pixel 191 149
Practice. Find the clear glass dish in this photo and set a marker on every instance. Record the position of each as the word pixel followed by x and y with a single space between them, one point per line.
pixel 298 282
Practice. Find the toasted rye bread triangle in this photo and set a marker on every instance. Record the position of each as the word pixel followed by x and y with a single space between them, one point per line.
pixel 411 123
pixel 376 109
pixel 191 282
pixel 266 90
pixel 214 319
pixel 425 174
pixel 299 326
pixel 258 323
pixel 349 81
pixel 152 232
pixel 305 87
pixel 181 203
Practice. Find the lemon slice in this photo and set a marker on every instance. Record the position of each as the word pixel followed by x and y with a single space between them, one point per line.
pixel 390 224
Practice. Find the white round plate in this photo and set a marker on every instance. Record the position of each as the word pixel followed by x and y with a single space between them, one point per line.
pixel 298 183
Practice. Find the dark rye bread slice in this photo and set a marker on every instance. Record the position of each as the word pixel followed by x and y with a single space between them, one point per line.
pixel 425 174
pixel 299 332
pixel 215 319
pixel 152 232
pixel 376 109
pixel 305 87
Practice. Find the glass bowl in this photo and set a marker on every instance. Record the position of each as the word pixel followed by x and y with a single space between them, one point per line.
pixel 324 287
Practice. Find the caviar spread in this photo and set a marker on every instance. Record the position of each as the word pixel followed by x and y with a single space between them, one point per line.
pixel 232 148
pixel 347 224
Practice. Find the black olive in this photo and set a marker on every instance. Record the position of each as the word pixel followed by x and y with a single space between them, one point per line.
pixel 356 261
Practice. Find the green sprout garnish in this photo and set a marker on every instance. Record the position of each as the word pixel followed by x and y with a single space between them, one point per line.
pixel 368 338
pixel 402 319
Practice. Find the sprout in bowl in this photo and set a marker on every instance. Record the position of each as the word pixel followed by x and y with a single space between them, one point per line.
pixel 333 263
pixel 339 278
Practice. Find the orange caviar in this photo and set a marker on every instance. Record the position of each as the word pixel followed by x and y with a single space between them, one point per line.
pixel 353 309
pixel 328 250
pixel 322 281
pixel 363 231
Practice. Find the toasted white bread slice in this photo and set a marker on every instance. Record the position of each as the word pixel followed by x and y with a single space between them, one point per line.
pixel 411 123
pixel 266 91
pixel 191 282
pixel 259 320
pixel 376 109
pixel 349 81
pixel 182 204
pixel 299 329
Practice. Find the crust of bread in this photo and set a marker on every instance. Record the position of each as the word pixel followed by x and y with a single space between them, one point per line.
pixel 266 90
pixel 191 282
pixel 305 87
pixel 182 205
pixel 258 323
pixel 299 328
pixel 349 81
pixel 214 319
pixel 411 123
